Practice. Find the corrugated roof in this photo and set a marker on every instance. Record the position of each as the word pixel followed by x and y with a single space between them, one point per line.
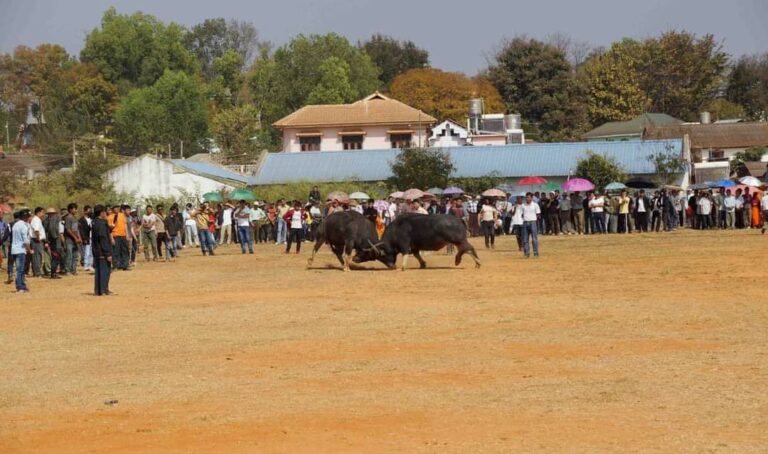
pixel 634 126
pixel 714 135
pixel 375 109
pixel 543 159
pixel 211 170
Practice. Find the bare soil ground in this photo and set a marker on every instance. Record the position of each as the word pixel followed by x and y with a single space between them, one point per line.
pixel 649 342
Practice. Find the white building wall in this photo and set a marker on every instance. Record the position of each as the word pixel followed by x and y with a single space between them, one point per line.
pixel 376 137
pixel 146 177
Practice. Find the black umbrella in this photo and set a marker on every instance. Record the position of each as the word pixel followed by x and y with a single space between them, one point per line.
pixel 640 183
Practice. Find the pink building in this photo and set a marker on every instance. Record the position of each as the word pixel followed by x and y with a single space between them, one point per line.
pixel 373 123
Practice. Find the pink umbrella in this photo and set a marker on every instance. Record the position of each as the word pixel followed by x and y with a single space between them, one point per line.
pixel 531 181
pixel 413 194
pixel 578 184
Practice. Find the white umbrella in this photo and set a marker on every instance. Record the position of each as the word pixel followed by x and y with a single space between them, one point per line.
pixel 751 181
pixel 359 196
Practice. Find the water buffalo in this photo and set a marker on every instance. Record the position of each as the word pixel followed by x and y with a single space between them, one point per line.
pixel 345 232
pixel 413 233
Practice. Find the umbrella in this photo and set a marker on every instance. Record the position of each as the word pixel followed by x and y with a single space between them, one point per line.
pixel 550 187
pixel 494 193
pixel 578 184
pixel 213 197
pixel 435 191
pixel 615 186
pixel 698 186
pixel 242 194
pixel 453 190
pixel 397 195
pixel 338 196
pixel 381 205
pixel 751 181
pixel 725 184
pixel 413 194
pixel 640 183
pixel 531 181
pixel 359 196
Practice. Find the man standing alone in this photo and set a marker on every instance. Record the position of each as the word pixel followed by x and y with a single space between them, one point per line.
pixel 101 242
pixel 531 213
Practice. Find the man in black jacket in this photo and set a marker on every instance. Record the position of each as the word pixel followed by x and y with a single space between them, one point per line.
pixel 173 226
pixel 642 208
pixel 101 243
pixel 55 246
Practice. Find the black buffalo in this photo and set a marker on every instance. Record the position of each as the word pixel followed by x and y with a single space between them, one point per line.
pixel 413 233
pixel 347 232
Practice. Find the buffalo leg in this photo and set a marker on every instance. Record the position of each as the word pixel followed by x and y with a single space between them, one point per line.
pixel 466 248
pixel 318 245
pixel 422 263
pixel 405 261
pixel 348 248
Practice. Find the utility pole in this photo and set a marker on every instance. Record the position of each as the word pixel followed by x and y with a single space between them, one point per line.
pixel 181 148
pixel 169 151
pixel 74 156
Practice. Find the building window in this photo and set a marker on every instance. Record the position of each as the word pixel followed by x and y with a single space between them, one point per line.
pixel 352 142
pixel 401 140
pixel 309 143
pixel 716 155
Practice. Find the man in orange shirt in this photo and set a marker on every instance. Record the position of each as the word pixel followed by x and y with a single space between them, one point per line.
pixel 118 224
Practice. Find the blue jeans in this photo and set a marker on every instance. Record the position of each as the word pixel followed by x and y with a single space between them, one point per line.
pixel 72 257
pixel 20 260
pixel 599 222
pixel 244 235
pixel 206 240
pixel 530 229
pixel 282 231
pixel 170 247
pixel 87 256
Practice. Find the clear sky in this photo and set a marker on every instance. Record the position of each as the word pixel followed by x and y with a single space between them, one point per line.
pixel 458 35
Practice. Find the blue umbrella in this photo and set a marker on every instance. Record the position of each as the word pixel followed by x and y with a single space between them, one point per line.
pixel 726 184
pixel 698 186
pixel 615 186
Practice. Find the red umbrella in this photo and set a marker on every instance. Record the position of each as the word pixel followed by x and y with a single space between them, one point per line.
pixel 531 181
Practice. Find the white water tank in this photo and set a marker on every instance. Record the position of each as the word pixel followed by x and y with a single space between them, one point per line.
pixel 704 118
pixel 513 122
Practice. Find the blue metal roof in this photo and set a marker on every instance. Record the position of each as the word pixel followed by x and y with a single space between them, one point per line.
pixel 543 159
pixel 211 170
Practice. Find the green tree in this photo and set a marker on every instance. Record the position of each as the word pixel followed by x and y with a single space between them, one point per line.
pixel 172 109
pixel 421 168
pixel 234 130
pixel 681 73
pixel 334 86
pixel 748 85
pixel 749 155
pixel 613 84
pixel 135 50
pixel 536 80
pixel 667 165
pixel 297 69
pixel 394 57
pixel 600 169
pixel 213 38
pixel 721 108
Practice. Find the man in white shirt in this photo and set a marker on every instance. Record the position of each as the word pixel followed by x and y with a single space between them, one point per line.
pixel 243 216
pixel 149 234
pixel 531 213
pixel 190 228
pixel 391 212
pixel 705 211
pixel 226 225
pixel 517 222
pixel 37 234
pixel 729 207
pixel 764 208
pixel 487 216
pixel 597 205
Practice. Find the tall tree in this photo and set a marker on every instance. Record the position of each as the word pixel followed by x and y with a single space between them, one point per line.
pixel 600 169
pixel 681 73
pixel 172 109
pixel 537 80
pixel 234 130
pixel 421 168
pixel 333 86
pixel 748 85
pixel 444 94
pixel 613 83
pixel 394 57
pixel 281 84
pixel 135 50
pixel 212 38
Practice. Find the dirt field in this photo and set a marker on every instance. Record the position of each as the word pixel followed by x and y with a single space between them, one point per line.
pixel 647 342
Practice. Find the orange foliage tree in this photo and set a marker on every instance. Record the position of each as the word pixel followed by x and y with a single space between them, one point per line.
pixel 443 94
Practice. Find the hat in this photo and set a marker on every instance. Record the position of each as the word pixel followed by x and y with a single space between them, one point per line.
pixel 51 210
